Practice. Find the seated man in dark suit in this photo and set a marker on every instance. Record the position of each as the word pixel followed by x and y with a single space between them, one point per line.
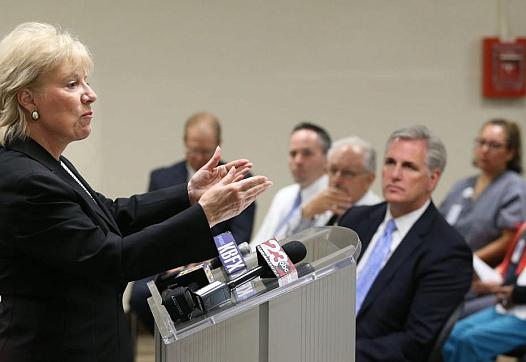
pixel 202 135
pixel 414 268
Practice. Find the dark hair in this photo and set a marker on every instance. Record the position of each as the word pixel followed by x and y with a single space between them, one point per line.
pixel 513 135
pixel 323 135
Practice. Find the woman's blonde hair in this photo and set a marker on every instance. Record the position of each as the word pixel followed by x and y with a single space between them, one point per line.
pixel 26 53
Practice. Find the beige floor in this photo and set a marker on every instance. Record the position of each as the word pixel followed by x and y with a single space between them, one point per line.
pixel 506 359
pixel 145 349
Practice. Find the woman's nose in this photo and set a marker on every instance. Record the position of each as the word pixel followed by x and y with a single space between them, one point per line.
pixel 89 96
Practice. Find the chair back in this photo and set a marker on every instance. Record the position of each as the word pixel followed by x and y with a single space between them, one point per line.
pixel 436 351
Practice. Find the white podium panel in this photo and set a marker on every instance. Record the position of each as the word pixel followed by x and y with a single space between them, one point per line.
pixel 311 319
pixel 314 323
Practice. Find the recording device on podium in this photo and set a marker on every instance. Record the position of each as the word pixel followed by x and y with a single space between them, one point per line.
pixel 274 261
pixel 231 257
pixel 266 321
pixel 196 277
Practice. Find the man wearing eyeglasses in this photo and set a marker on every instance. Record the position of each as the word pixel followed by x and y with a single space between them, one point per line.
pixel 202 135
pixel 351 169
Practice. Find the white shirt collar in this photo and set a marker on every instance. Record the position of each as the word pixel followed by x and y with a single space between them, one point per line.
pixel 189 170
pixel 405 222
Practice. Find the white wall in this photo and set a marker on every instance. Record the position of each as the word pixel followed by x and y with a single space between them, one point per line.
pixel 355 66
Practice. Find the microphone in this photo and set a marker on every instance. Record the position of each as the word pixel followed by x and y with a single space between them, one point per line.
pixel 296 252
pixel 182 302
pixel 217 293
pixel 232 256
pixel 244 250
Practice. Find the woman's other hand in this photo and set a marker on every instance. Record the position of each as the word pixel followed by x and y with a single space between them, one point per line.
pixel 504 296
pixel 231 195
pixel 484 288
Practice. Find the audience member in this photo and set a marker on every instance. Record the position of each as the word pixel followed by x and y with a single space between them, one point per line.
pixel 494 330
pixel 308 147
pixel 352 170
pixel 484 292
pixel 202 135
pixel 486 208
pixel 415 268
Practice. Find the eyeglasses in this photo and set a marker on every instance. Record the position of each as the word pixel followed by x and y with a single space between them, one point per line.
pixel 200 152
pixel 348 174
pixel 492 145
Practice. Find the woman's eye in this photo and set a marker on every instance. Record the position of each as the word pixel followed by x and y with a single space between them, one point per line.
pixel 72 84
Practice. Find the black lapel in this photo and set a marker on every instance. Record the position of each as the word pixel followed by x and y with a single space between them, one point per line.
pixel 101 209
pixel 180 176
pixel 409 245
pixel 367 228
pixel 34 150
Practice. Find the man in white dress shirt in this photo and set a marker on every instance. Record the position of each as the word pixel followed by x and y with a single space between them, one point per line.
pixel 352 170
pixel 308 147
pixel 414 268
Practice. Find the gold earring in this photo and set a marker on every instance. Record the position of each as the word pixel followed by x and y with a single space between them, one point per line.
pixel 35 115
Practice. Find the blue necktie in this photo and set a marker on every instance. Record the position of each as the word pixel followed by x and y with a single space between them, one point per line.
pixel 374 264
pixel 285 220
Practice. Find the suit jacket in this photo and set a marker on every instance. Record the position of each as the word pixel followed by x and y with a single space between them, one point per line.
pixel 421 284
pixel 240 226
pixel 65 257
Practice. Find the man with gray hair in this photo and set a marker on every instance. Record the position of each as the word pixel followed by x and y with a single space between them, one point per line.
pixel 414 268
pixel 352 170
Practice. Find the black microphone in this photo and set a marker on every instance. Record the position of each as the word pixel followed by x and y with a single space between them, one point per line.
pixel 218 293
pixel 200 274
pixel 182 302
pixel 296 252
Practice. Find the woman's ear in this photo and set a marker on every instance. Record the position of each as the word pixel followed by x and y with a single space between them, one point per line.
pixel 25 99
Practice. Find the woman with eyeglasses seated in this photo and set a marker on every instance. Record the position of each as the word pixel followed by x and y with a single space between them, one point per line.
pixel 486 208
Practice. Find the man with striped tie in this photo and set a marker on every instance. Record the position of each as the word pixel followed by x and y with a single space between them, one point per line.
pixel 308 147
pixel 414 268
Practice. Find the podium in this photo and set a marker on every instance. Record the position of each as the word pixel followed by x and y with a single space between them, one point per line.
pixel 310 319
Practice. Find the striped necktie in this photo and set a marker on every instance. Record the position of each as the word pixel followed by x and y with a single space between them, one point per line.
pixel 293 209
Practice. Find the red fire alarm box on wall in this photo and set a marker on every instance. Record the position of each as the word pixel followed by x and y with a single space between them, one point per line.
pixel 504 63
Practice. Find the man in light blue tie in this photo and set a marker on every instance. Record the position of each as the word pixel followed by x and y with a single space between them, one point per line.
pixel 415 268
